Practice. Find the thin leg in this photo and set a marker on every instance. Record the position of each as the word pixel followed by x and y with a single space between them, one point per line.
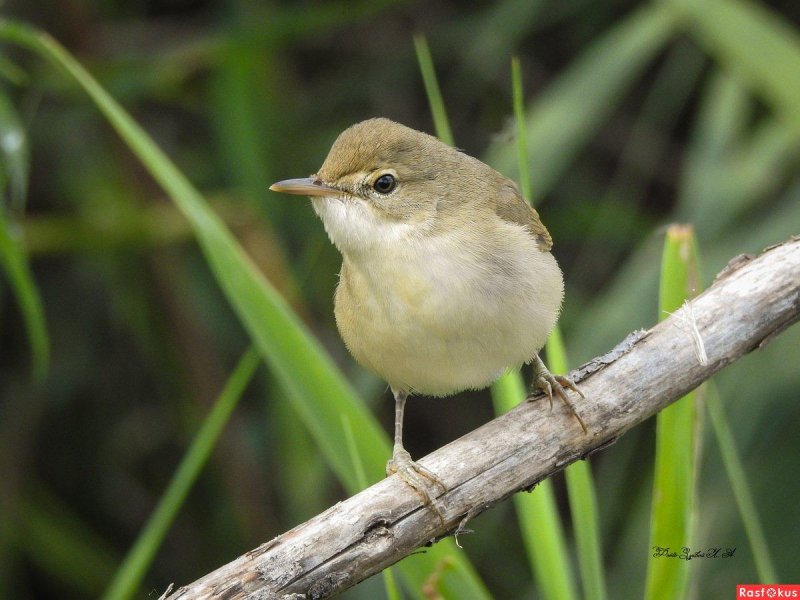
pixel 409 471
pixel 547 382
pixel 399 412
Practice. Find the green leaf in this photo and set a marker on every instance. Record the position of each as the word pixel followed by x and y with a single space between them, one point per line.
pixel 582 497
pixel 14 166
pixel 14 155
pixel 583 507
pixel 12 71
pixel 518 100
pixel 542 531
pixel 540 523
pixel 15 263
pixel 389 582
pixel 673 486
pixel 741 489
pixel 440 121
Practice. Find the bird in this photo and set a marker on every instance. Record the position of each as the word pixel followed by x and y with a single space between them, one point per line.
pixel 447 276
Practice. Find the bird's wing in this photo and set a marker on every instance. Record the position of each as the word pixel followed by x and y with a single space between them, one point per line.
pixel 512 207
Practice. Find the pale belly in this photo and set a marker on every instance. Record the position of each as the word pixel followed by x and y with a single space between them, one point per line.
pixel 440 326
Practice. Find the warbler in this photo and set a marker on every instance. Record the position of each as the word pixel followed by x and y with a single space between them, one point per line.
pixel 447 279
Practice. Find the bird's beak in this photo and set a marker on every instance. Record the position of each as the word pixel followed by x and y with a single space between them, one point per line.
pixel 305 186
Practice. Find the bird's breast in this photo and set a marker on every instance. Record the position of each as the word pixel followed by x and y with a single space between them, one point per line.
pixel 441 315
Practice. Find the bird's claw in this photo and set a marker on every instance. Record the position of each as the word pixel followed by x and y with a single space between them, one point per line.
pixel 547 382
pixel 415 475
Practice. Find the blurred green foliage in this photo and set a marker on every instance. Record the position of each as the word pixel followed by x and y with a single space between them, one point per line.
pixel 639 114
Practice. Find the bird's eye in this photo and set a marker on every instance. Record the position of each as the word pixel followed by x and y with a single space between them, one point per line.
pixel 385 184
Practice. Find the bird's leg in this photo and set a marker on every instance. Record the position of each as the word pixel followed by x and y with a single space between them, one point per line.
pixel 547 382
pixel 409 471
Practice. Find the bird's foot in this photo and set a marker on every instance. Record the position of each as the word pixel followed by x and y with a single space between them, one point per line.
pixel 549 383
pixel 417 476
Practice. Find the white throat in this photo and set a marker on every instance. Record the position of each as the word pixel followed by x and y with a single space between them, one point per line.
pixel 355 228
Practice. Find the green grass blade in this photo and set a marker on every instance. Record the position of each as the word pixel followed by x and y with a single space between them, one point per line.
pixel 754 43
pixel 299 459
pixel 541 526
pixel 557 352
pixel 741 490
pixel 133 569
pixel 542 531
pixel 441 123
pixel 13 186
pixel 540 523
pixel 563 118
pixel 442 127
pixel 318 390
pixel 582 497
pixel 11 71
pixel 14 262
pixel 673 487
pixel 580 484
pixel 352 450
pixel 14 155
pixel 518 100
pixel 389 583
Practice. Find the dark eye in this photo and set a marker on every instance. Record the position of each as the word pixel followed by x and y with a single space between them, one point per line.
pixel 384 184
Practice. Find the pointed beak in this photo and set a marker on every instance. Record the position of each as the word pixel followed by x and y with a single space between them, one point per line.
pixel 306 186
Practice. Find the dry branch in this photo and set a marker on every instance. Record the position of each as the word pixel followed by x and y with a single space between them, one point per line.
pixel 751 301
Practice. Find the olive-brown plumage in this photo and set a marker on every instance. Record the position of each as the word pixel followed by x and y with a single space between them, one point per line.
pixel 447 278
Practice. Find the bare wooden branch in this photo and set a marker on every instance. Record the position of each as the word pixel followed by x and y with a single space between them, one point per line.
pixel 751 301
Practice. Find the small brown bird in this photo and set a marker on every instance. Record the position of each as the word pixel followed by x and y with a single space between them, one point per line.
pixel 447 278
